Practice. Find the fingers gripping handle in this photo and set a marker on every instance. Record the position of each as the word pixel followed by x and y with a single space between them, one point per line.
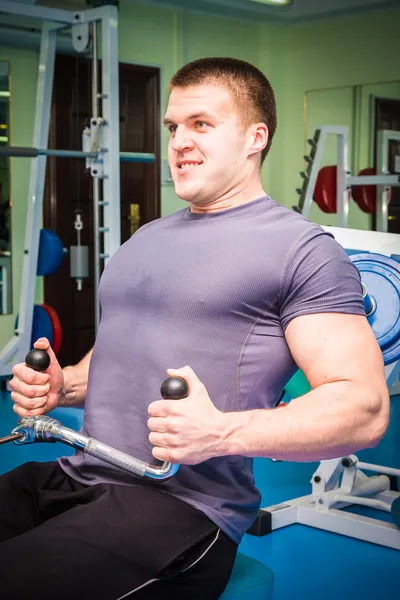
pixel 50 430
pixel 173 388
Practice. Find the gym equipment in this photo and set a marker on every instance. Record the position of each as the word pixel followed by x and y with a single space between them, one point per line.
pixel 358 241
pixel 79 255
pixel 337 484
pixel 41 324
pixel 325 193
pixel 380 276
pixel 330 187
pixel 100 150
pixel 46 429
pixel 341 482
pixel 365 195
pixel 56 328
pixel 38 360
pixel 45 323
pixel 396 512
pixel 18 152
pixel 51 252
pixel 325 189
pixel 250 578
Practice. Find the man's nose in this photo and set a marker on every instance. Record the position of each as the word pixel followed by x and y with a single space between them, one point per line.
pixel 182 140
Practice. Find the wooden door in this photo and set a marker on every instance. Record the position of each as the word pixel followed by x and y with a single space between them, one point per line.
pixel 69 186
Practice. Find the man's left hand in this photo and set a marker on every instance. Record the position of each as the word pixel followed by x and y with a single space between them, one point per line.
pixel 187 431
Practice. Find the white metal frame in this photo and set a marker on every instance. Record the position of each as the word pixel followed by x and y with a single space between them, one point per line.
pixel 383 180
pixel 107 18
pixel 342 134
pixel 337 484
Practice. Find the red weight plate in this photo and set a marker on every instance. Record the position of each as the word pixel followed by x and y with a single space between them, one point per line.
pixel 325 189
pixel 365 195
pixel 57 330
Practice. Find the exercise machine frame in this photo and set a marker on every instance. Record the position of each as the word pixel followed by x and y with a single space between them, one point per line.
pixel 344 180
pixel 101 148
pixel 337 484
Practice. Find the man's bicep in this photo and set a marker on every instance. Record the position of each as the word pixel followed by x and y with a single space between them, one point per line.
pixel 331 347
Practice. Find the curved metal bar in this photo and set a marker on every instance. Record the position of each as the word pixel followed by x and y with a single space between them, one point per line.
pixel 46 429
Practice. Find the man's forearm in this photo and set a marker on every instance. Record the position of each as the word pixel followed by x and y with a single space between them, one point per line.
pixel 330 421
pixel 75 382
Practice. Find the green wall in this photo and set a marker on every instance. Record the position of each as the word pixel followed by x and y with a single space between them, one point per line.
pixel 296 58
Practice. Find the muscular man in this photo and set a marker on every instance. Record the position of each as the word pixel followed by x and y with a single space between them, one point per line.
pixel 242 291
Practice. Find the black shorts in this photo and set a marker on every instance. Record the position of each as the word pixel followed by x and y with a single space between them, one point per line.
pixel 60 540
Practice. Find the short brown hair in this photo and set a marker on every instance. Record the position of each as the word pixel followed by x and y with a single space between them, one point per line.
pixel 252 91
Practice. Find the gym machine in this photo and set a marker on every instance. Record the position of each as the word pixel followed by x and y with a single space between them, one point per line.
pixel 100 150
pixel 47 429
pixel 343 482
pixel 331 187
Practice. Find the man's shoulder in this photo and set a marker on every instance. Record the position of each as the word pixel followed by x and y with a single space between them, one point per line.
pixel 290 227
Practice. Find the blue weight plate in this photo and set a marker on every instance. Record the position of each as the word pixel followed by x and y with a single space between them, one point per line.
pixel 51 252
pixel 381 276
pixel 42 325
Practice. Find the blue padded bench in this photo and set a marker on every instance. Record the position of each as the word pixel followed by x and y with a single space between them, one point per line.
pixel 250 580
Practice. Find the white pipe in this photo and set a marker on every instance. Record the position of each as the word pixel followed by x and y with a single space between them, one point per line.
pixel 96 185
pixel 378 469
pixel 370 502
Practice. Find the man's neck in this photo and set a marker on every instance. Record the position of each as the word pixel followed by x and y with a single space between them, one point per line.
pixel 229 201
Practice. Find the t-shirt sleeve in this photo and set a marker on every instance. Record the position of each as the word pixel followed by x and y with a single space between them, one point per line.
pixel 319 277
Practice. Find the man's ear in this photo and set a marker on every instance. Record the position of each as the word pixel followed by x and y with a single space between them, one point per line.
pixel 258 138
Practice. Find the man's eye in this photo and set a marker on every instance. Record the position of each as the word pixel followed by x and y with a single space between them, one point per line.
pixel 201 124
pixel 172 128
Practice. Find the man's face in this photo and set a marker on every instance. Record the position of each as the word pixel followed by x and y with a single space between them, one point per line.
pixel 207 146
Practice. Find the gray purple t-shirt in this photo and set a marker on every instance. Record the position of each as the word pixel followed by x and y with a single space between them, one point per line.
pixel 215 292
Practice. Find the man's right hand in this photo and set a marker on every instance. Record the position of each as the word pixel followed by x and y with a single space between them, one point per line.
pixel 35 393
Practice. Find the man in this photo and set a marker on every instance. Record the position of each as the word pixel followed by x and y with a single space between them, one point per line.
pixel 240 289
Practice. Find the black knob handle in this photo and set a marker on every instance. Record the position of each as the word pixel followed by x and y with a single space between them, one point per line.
pixel 38 360
pixel 174 388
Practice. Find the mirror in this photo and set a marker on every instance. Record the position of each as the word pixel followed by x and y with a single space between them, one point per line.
pixel 353 106
pixel 5 193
